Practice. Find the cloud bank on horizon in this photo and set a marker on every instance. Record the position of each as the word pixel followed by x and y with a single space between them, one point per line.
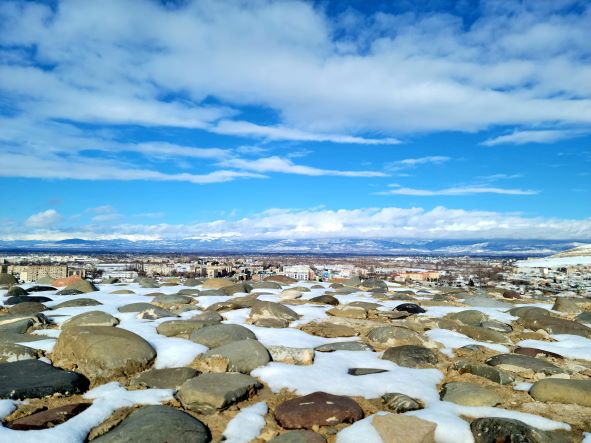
pixel 197 118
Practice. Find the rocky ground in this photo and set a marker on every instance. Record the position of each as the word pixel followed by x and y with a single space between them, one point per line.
pixel 287 361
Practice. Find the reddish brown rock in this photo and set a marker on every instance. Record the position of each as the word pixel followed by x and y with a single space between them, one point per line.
pixel 511 294
pixel 49 418
pixel 317 409
pixel 534 352
pixel 59 282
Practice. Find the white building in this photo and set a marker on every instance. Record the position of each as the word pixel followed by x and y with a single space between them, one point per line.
pixel 298 272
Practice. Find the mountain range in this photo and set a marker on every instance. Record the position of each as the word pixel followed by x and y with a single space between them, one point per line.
pixel 515 248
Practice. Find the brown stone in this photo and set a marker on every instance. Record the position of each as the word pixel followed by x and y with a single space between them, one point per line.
pixel 317 409
pixel 398 428
pixel 49 418
pixel 534 352
pixel 329 330
pixel 59 282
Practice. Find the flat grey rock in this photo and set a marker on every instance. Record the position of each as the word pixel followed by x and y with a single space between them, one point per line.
pixel 158 424
pixel 209 393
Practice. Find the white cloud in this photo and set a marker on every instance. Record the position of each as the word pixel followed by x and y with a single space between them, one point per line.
pixel 458 190
pixel 389 222
pixel 414 162
pixel 121 61
pixel 538 136
pixel 286 166
pixel 45 219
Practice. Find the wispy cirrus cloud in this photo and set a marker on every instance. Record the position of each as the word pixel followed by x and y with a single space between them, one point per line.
pixel 536 136
pixel 410 163
pixel 287 166
pixel 457 191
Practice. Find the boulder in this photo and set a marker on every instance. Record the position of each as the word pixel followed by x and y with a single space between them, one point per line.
pixel 31 307
pixel 237 356
pixel 237 288
pixel 167 378
pixel 78 287
pixel 192 282
pixel 49 418
pixel 411 308
pixel 222 334
pixel 172 299
pixel 155 313
pixel 325 299
pixel 344 346
pixel 567 305
pixel 146 282
pixel 291 356
pixel 182 328
pixel 329 330
pixel 217 283
pixel 34 379
pixel 394 335
pixel 469 394
pixel 523 363
pixel 281 279
pixel 317 409
pixel 584 317
pixel 38 288
pixel 17 299
pixel 157 424
pixel 10 352
pixel 78 302
pixel 410 356
pixel 489 372
pixel 136 307
pixel 348 311
pixel 15 291
pixel 498 429
pixel 7 280
pixel 102 352
pixel 264 310
pixel 91 318
pixel 209 393
pixel 559 390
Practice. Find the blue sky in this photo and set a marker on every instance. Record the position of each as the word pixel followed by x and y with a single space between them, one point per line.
pixel 292 119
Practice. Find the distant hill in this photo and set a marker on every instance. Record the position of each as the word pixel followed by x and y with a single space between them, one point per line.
pixel 579 251
pixel 391 247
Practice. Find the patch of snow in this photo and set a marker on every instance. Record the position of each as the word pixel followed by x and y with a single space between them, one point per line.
pixel 569 346
pixel 247 425
pixel 453 340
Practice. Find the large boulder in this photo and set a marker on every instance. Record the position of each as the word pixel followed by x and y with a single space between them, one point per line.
pixel 157 424
pixel 102 352
pixel 263 311
pixel 238 356
pixel 183 328
pixel 217 283
pixel 35 379
pixel 7 280
pixel 222 334
pixel 91 318
pixel 15 291
pixel 78 287
pixel 209 393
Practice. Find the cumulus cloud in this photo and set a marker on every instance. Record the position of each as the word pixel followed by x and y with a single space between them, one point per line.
pixel 45 219
pixel 326 79
pixel 388 222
